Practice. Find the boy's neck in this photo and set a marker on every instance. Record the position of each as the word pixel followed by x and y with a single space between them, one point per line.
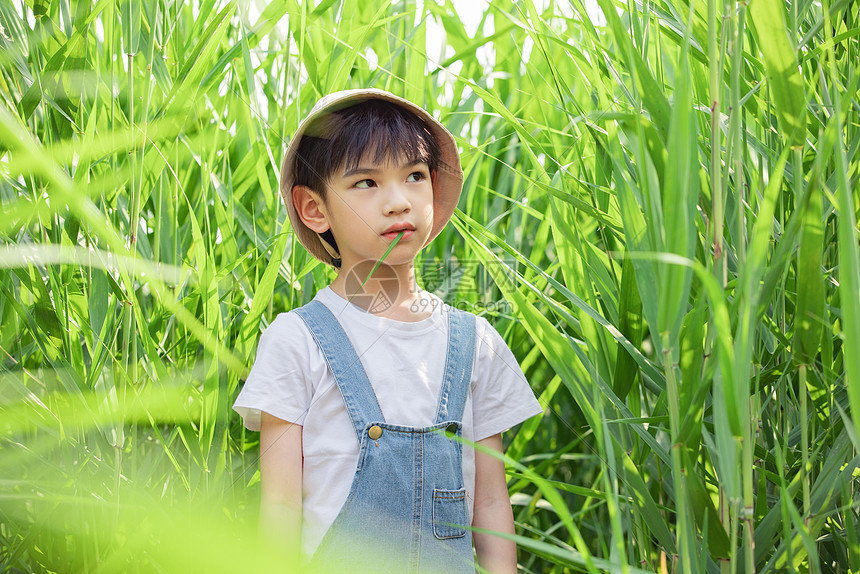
pixel 390 291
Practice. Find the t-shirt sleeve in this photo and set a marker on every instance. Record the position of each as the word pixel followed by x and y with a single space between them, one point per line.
pixel 279 383
pixel 501 396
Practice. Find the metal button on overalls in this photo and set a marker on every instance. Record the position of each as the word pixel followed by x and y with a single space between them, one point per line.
pixel 408 486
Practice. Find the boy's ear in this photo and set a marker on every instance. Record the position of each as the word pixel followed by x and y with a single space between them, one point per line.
pixel 310 207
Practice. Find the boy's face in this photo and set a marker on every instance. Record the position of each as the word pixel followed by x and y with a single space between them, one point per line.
pixel 368 206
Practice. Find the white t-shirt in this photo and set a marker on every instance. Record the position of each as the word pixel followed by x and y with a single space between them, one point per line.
pixel 404 362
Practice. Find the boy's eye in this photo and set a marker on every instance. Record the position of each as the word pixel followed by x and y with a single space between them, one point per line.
pixel 416 176
pixel 364 183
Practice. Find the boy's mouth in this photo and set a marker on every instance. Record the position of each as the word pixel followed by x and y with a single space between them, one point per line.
pixel 406 228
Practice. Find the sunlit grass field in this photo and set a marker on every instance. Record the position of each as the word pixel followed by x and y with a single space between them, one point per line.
pixel 659 216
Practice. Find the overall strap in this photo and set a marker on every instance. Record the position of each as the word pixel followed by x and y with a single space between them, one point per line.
pixel 458 365
pixel 344 364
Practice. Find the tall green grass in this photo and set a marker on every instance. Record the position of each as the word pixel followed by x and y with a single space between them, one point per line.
pixel 659 215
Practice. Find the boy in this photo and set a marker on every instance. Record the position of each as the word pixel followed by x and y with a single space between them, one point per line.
pixel 363 395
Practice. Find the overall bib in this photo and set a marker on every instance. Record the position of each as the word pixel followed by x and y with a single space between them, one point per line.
pixel 406 508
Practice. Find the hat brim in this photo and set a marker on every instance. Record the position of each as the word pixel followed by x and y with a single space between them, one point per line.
pixel 447 184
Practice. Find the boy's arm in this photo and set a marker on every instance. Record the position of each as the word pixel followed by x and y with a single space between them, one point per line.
pixel 281 485
pixel 493 511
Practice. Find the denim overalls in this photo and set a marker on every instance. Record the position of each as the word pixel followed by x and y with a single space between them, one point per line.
pixel 406 508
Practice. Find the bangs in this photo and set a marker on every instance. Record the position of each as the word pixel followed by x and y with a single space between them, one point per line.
pixel 376 131
pixel 384 137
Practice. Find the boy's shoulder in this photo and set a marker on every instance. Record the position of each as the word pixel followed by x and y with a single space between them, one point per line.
pixel 284 332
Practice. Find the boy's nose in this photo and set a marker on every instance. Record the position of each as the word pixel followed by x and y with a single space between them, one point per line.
pixel 396 201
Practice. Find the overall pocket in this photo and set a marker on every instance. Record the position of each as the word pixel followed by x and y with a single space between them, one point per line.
pixel 449 513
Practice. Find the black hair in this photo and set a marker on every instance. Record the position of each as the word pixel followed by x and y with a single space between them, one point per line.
pixel 341 138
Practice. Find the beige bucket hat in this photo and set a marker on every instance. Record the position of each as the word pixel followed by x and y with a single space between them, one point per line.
pixel 446 188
